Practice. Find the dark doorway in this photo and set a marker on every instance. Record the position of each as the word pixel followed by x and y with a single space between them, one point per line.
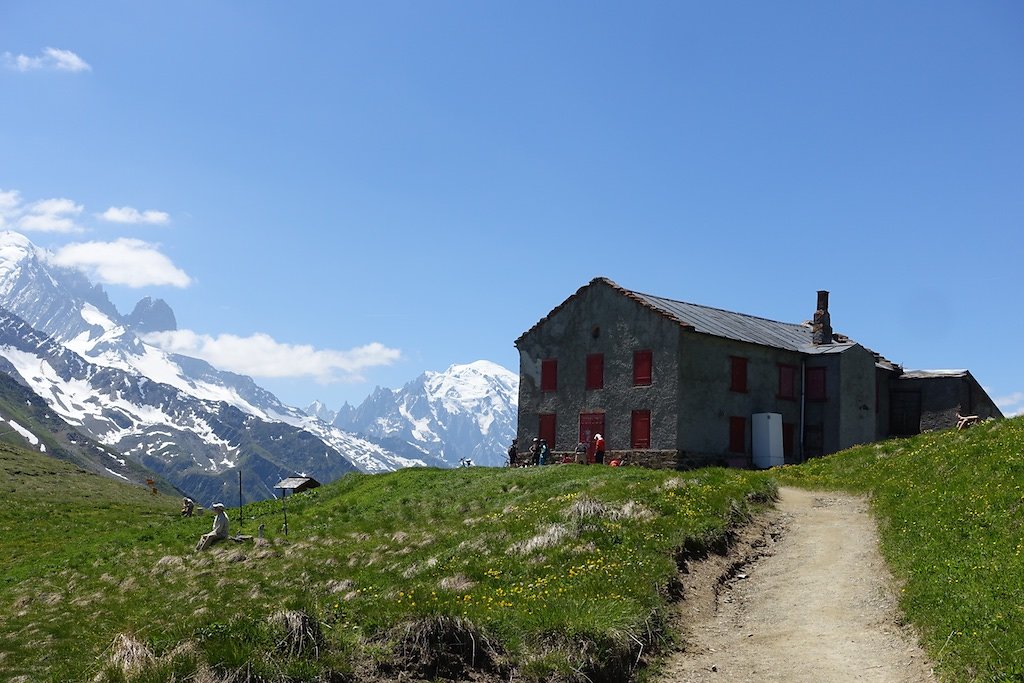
pixel 591 424
pixel 905 413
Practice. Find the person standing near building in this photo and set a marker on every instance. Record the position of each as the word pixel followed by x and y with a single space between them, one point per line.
pixel 598 449
pixel 220 529
pixel 543 453
pixel 534 451
pixel 581 453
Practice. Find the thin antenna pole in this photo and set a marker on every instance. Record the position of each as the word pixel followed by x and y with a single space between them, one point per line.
pixel 239 499
pixel 284 506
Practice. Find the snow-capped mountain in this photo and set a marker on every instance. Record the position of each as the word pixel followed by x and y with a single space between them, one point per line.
pixel 321 411
pixel 467 411
pixel 62 337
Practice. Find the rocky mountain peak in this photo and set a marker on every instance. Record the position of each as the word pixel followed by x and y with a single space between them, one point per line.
pixel 151 315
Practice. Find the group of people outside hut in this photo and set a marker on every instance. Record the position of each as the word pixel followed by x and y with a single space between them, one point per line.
pixel 540 453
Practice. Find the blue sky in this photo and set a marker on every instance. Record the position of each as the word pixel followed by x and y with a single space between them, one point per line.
pixel 338 195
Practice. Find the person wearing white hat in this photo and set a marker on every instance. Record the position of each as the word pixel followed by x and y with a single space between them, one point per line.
pixel 220 529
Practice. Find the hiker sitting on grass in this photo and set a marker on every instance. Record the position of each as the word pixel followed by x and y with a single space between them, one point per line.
pixel 187 506
pixel 220 529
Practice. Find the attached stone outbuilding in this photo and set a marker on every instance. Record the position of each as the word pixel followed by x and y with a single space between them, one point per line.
pixel 670 383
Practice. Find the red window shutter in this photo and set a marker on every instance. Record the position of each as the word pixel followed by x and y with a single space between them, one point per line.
pixel 787 381
pixel 641 429
pixel 643 364
pixel 816 384
pixel 739 374
pixel 546 428
pixel 595 371
pixel 549 375
pixel 737 434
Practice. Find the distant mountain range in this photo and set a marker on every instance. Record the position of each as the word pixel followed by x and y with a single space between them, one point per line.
pixel 466 412
pixel 194 425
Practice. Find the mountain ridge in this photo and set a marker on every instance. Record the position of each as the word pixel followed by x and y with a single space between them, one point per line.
pixel 467 412
pixel 186 420
pixel 180 417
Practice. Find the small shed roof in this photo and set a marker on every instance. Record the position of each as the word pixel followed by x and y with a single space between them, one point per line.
pixel 297 483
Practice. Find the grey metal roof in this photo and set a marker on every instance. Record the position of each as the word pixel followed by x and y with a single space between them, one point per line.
pixel 929 374
pixel 738 326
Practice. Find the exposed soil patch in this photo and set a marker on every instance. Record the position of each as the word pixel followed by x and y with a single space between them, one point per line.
pixel 803 596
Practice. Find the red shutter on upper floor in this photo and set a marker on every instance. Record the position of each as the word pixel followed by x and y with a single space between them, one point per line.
pixel 549 374
pixel 643 365
pixel 816 389
pixel 738 381
pixel 787 381
pixel 595 371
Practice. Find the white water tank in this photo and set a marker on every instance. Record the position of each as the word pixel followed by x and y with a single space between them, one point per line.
pixel 766 440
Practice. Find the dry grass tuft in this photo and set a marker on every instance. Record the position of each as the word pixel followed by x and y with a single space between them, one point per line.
pixel 634 511
pixel 550 537
pixel 301 633
pixel 170 561
pixel 335 586
pixel 444 647
pixel 456 584
pixel 129 655
pixel 585 508
pixel 51 599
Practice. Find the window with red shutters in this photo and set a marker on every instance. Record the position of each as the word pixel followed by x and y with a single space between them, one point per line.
pixel 595 371
pixel 737 434
pixel 546 428
pixel 787 381
pixel 738 374
pixel 549 374
pixel 816 390
pixel 641 429
pixel 643 365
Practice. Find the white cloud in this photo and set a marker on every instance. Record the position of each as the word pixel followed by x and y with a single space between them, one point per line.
pixel 1011 404
pixel 259 355
pixel 10 203
pixel 47 215
pixel 52 58
pixel 127 214
pixel 125 261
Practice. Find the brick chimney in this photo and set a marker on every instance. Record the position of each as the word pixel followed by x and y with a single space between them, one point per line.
pixel 821 326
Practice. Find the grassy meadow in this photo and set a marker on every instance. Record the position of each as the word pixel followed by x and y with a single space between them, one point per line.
pixel 950 507
pixel 555 573
pixel 560 573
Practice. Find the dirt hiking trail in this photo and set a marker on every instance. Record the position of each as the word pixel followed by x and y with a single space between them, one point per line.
pixel 805 597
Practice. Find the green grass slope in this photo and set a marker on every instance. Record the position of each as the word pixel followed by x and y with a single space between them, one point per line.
pixel 951 514
pixel 556 573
